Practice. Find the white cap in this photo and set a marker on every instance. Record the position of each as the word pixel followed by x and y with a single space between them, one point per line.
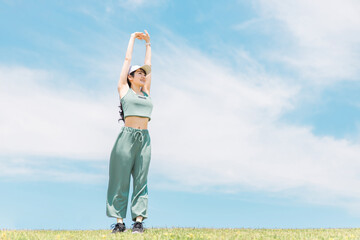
pixel 145 67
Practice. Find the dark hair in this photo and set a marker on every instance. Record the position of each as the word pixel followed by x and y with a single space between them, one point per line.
pixel 120 106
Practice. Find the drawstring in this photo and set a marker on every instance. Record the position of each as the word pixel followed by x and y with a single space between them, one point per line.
pixel 141 135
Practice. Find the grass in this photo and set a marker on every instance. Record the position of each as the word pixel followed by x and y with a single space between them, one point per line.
pixel 187 233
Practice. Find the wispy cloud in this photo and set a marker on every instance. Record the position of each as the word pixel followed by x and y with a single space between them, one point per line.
pixel 247 24
pixel 135 4
pixel 20 169
pixel 319 39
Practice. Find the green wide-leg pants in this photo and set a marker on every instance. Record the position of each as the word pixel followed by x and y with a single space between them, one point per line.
pixel 130 155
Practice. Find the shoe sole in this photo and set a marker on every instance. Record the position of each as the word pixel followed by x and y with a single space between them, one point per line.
pixel 119 231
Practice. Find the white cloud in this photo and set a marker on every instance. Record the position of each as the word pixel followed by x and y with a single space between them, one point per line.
pixel 318 38
pixel 213 129
pixel 40 120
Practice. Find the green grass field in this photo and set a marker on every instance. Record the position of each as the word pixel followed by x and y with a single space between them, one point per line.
pixel 187 233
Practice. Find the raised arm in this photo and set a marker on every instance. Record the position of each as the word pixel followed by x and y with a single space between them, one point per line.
pixel 127 61
pixel 148 62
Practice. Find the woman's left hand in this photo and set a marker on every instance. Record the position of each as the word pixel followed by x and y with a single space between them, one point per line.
pixel 146 37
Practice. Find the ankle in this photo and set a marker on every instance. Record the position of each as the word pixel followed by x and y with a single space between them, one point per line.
pixel 119 220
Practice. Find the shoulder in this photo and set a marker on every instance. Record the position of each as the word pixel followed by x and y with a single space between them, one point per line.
pixel 123 90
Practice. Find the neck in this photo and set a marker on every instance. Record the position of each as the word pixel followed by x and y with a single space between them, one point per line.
pixel 137 89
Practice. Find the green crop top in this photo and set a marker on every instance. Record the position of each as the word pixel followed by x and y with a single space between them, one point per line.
pixel 136 105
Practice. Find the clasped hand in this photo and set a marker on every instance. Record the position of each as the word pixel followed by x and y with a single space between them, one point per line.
pixel 142 36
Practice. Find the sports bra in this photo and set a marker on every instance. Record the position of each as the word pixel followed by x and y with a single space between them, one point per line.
pixel 136 105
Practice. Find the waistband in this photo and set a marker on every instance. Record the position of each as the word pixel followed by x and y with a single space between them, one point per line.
pixel 136 132
pixel 132 130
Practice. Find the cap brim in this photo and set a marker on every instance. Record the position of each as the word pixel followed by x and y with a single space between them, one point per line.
pixel 146 68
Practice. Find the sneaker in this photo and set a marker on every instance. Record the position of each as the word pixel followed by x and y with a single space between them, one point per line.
pixel 118 227
pixel 138 227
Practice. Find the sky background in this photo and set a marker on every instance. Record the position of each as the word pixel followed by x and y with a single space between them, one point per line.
pixel 255 121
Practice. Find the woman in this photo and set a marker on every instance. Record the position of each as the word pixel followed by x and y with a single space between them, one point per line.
pixel 132 149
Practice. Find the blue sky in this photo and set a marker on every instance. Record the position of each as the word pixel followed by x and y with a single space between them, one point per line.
pixel 255 120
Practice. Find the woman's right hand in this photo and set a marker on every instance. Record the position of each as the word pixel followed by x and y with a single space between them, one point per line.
pixel 138 35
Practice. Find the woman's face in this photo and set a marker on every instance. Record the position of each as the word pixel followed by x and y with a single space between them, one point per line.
pixel 139 77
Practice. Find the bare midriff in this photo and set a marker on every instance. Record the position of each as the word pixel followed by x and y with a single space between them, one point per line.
pixel 136 122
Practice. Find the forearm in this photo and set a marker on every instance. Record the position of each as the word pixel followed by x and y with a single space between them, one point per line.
pixel 148 55
pixel 130 48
